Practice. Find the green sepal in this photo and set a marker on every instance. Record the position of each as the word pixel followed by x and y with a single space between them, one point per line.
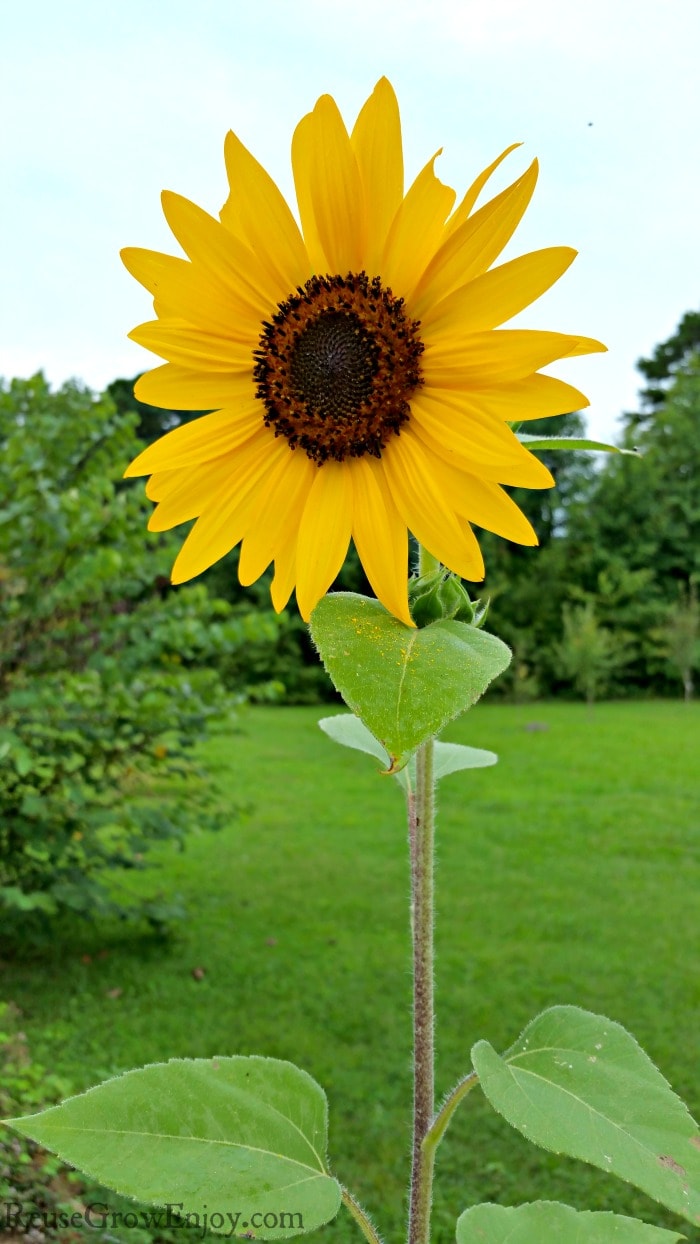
pixel 221 1136
pixel 437 595
pixel 550 1222
pixel 404 683
pixel 349 731
pixel 579 1084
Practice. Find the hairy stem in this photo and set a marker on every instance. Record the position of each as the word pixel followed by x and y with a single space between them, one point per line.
pixel 361 1217
pixel 442 1119
pixel 421 832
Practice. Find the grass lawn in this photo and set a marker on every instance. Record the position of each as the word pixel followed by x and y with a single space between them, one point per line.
pixel 570 873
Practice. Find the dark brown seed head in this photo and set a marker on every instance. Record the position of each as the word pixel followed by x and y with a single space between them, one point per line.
pixel 337 366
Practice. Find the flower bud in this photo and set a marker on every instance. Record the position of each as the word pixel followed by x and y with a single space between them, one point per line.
pixel 437 596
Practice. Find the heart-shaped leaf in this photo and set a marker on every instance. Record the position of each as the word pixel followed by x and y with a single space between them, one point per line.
pixel 579 1084
pixel 549 1222
pixel 404 683
pixel 349 731
pixel 225 1136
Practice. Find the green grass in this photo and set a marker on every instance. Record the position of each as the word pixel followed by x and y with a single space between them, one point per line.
pixel 570 873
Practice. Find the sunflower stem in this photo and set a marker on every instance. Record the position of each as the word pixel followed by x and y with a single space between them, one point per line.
pixel 421 822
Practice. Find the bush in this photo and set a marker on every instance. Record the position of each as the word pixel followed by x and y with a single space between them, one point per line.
pixel 108 676
pixel 89 777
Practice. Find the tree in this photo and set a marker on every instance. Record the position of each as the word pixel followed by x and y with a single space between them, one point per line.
pixel 647 512
pixel 668 359
pixel 587 653
pixel 679 637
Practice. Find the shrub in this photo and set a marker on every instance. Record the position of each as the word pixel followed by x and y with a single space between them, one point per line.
pixel 108 676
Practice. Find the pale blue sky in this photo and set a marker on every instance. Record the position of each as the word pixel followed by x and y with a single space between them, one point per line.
pixel 103 104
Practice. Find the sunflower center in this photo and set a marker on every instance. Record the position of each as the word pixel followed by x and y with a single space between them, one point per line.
pixel 336 367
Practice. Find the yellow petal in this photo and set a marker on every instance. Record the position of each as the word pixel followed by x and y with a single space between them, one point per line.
pixel 185 291
pixel 484 359
pixel 587 345
pixel 414 481
pixel 224 520
pixel 521 469
pixel 463 210
pixel 179 388
pixel 376 141
pixel 257 212
pixel 449 419
pixel 277 510
pixel 162 483
pixel 184 494
pixel 151 268
pixel 285 572
pixel 486 504
pixel 534 397
pixel 303 158
pixel 380 536
pixel 199 441
pixel 225 257
pixel 329 189
pixel 416 230
pixel 472 248
pixel 324 534
pixel 193 348
pixel 496 296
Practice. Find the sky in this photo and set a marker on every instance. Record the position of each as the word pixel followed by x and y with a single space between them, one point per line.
pixel 104 103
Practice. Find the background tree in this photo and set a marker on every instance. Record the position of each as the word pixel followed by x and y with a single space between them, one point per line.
pixel 587 652
pixel 679 637
pixel 667 360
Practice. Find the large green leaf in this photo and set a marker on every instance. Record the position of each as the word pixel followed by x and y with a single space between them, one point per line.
pixel 571 442
pixel 225 1136
pixel 579 1084
pixel 349 731
pixel 405 684
pixel 548 1222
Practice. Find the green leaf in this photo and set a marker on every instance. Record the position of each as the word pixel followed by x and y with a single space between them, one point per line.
pixel 450 757
pixel 579 1084
pixel 236 1135
pixel 548 1222
pixel 405 684
pixel 349 731
pixel 571 442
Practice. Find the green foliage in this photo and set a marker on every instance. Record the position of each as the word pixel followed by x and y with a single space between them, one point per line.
pixel 588 653
pixel 242 1134
pixel 108 677
pixel 667 359
pixel 30 1180
pixel 647 513
pixel 92 773
pixel 679 637
pixel 548 1222
pixel 405 684
pixel 579 1084
pixel 622 537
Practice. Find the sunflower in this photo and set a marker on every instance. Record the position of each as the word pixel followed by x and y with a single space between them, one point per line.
pixel 359 381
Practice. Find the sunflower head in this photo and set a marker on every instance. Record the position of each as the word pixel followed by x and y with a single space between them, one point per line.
pixel 361 384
